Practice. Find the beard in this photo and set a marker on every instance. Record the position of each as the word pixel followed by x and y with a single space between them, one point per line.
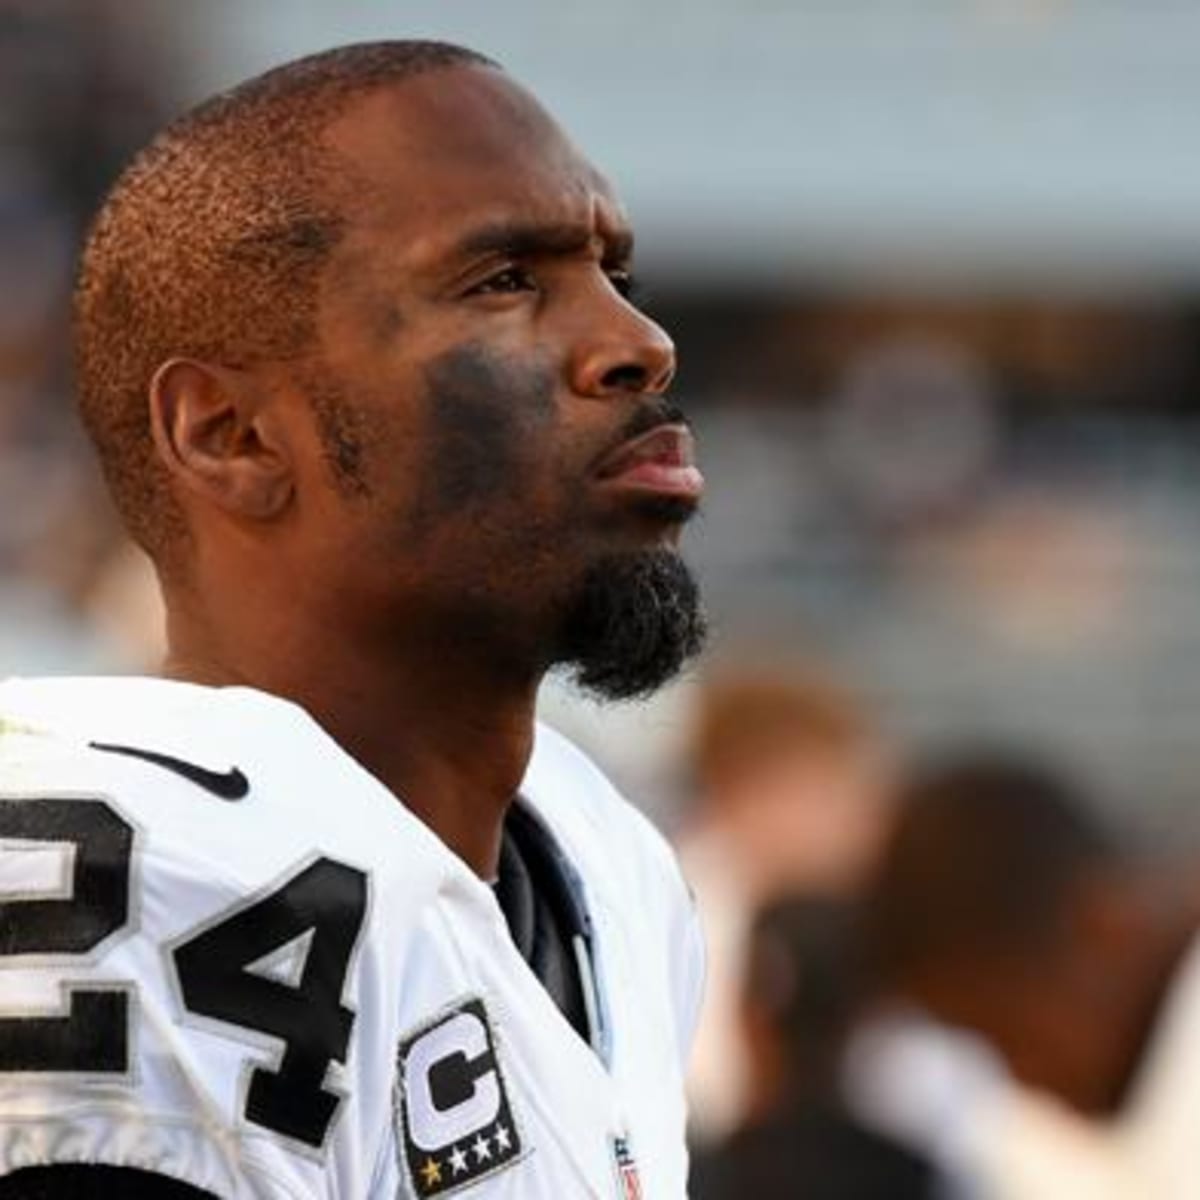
pixel 633 623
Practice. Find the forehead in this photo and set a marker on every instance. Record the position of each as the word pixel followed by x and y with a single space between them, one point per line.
pixel 428 159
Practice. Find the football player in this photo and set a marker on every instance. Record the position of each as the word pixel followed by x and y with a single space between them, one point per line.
pixel 321 911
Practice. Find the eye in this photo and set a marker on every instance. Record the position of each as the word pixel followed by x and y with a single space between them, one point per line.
pixel 508 281
pixel 625 284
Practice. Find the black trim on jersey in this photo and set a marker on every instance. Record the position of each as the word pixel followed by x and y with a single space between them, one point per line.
pixel 226 785
pixel 92 1181
pixel 544 915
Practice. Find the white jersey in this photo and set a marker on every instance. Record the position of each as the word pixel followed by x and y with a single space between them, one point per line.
pixel 1156 1131
pixel 229 955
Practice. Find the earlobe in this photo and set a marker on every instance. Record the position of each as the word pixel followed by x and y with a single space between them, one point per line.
pixel 215 430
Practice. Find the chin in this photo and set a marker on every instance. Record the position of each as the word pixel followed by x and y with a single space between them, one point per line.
pixel 676 510
pixel 633 623
pixel 647 522
pixel 672 512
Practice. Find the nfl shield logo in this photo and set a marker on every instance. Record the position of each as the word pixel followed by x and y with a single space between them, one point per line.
pixel 628 1179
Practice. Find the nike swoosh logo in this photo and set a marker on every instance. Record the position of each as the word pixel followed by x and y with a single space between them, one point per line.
pixel 226 785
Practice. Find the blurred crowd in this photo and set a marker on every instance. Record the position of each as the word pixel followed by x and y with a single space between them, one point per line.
pixel 949 955
pixel 77 95
pixel 980 507
pixel 955 976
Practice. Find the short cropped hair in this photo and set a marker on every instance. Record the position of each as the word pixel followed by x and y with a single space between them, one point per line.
pixel 210 245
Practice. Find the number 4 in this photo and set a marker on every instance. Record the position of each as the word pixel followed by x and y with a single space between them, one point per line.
pixel 323 904
pixel 218 966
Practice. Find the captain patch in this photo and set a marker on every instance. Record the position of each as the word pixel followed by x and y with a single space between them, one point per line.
pixel 456 1124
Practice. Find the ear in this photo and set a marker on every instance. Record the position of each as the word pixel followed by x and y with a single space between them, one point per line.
pixel 222 438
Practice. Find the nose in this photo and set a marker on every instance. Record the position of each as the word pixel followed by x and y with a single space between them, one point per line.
pixel 622 352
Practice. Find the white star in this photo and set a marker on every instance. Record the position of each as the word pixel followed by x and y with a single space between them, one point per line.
pixel 481 1148
pixel 458 1161
pixel 503 1141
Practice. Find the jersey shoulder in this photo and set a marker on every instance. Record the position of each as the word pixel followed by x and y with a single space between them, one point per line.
pixel 232 777
pixel 206 905
pixel 591 816
pixel 630 874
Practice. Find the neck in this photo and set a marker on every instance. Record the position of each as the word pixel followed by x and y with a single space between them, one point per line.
pixel 447 731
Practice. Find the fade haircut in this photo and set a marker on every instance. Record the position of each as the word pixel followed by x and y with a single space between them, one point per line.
pixel 210 246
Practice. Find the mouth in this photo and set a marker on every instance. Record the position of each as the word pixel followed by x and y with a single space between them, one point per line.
pixel 661 462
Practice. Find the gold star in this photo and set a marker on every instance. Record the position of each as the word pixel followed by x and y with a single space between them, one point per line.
pixel 432 1172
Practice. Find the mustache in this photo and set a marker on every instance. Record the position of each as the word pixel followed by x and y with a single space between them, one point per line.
pixel 649 414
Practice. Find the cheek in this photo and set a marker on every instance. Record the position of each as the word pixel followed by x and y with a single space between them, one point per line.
pixel 489 423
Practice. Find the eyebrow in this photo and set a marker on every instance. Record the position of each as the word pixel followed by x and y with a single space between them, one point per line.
pixel 528 240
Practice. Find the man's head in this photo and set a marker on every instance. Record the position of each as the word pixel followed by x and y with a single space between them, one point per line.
pixel 1004 903
pixel 800 990
pixel 790 770
pixel 362 325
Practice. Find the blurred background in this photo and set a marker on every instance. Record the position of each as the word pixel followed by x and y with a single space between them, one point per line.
pixel 933 270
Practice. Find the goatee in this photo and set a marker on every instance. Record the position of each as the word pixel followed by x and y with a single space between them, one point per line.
pixel 634 622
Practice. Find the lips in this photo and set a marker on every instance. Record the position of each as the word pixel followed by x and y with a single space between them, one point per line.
pixel 662 460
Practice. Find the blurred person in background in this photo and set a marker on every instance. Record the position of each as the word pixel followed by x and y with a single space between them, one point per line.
pixel 1019 952
pixel 78 92
pixel 790 782
pixel 797 1000
pixel 1155 1131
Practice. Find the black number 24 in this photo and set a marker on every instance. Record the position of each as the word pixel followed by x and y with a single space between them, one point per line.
pixel 324 901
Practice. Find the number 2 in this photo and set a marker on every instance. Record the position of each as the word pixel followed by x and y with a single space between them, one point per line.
pixel 324 902
pixel 93 1035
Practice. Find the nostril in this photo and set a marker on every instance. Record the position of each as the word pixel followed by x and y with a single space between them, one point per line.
pixel 628 377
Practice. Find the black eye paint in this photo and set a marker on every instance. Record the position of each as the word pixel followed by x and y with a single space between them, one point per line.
pixel 484 415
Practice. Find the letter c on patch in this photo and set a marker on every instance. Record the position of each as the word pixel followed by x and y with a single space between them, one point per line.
pixel 433 1128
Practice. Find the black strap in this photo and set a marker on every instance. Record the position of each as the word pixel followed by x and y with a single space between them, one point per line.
pixel 517 897
pixel 544 917
pixel 91 1181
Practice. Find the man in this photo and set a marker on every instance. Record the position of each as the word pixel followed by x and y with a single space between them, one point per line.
pixel 791 796
pixel 322 913
pixel 1022 952
pixel 799 994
